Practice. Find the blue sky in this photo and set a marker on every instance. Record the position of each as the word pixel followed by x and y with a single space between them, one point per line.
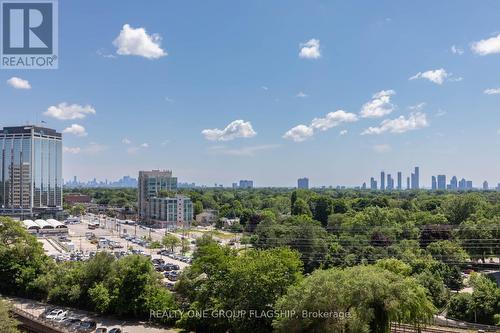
pixel 271 66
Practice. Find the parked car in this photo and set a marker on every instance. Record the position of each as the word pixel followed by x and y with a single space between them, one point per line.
pixel 87 325
pixel 70 321
pixel 158 261
pixel 54 314
pixel 101 330
pixel 115 330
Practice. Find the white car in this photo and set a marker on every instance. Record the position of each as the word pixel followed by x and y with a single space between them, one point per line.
pixel 61 315
pixel 54 313
pixel 60 319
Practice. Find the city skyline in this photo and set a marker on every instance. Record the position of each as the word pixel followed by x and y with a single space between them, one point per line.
pixel 438 182
pixel 222 109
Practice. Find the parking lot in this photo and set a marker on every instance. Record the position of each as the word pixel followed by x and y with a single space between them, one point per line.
pixel 78 321
pixel 92 235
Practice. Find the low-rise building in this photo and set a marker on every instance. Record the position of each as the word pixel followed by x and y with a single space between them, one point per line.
pixel 207 217
pixel 77 198
pixel 170 212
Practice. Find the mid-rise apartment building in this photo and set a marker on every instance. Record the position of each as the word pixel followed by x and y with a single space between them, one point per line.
pixel 151 184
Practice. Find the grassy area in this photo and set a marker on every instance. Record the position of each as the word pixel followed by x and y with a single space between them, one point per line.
pixel 215 233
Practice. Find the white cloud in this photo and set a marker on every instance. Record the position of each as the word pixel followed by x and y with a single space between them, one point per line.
pixel 401 124
pixel 240 151
pixel 455 78
pixel 75 129
pixel 492 91
pixel 383 148
pixel 343 132
pixel 301 94
pixel 126 141
pixel 65 111
pixel 332 119
pixel 137 42
pixel 134 149
pixel 417 107
pixel 487 46
pixel 437 76
pixel 18 83
pixel 168 99
pixel 299 133
pixel 236 129
pixel 379 106
pixel 264 88
pixel 310 49
pixel 457 50
pixel 104 54
pixel 71 150
pixel 440 113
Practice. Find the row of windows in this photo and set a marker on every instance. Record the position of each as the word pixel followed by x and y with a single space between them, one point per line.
pixel 30 172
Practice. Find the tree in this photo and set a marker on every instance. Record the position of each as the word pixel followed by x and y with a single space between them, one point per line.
pixel 129 283
pixel 7 323
pixel 170 241
pixel 481 306
pixel 155 245
pixel 100 297
pixel 78 210
pixel 478 237
pixel 458 208
pixel 301 207
pixel 447 252
pixel 395 266
pixel 298 232
pixel 184 245
pixel 221 280
pixel 22 259
pixel 322 209
pixel 369 297
pixel 197 208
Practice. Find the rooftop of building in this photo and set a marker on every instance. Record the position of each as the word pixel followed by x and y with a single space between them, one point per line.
pixel 27 129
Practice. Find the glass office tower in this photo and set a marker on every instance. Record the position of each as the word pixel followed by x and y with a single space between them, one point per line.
pixel 30 170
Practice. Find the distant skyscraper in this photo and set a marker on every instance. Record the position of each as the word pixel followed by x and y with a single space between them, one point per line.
pixel 462 184
pixel 407 183
pixel 400 181
pixel 235 185
pixel 434 183
pixel 485 186
pixel 390 182
pixel 363 187
pixel 303 183
pixel 30 170
pixel 382 180
pixel 468 184
pixel 245 184
pixel 373 184
pixel 441 182
pixel 415 179
pixel 453 183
